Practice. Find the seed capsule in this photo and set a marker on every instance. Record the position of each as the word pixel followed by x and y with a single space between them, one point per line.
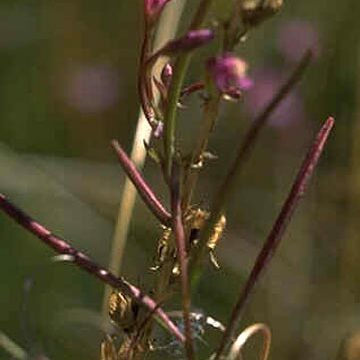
pixel 253 12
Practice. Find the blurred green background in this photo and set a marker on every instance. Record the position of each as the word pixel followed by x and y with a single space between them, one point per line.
pixel 68 86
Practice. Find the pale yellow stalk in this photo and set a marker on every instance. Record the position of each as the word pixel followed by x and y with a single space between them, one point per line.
pixel 13 349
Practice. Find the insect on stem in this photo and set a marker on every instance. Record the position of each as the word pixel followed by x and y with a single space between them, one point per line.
pixel 272 242
pixel 85 263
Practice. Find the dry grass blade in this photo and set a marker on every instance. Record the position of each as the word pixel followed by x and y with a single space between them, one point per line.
pixel 15 351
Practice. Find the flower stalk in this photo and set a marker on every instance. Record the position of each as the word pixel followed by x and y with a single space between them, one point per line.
pixel 188 231
pixel 243 154
pixel 180 69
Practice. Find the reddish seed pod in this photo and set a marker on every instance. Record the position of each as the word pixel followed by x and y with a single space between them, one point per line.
pixel 190 41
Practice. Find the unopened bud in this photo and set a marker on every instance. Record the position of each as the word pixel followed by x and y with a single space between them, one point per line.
pixel 254 12
pixel 228 73
pixel 190 41
pixel 153 9
pixel 166 75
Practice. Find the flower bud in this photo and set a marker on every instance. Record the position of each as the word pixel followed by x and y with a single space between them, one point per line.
pixel 254 12
pixel 166 75
pixel 228 73
pixel 153 9
pixel 190 41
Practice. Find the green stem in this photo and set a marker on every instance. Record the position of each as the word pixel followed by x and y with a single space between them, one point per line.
pixel 180 69
pixel 209 117
pixel 180 240
pixel 167 29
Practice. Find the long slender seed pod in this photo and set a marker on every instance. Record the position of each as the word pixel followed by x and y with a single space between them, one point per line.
pixel 273 240
pixel 144 190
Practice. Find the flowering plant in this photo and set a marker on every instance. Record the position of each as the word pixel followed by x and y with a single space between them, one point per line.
pixel 190 233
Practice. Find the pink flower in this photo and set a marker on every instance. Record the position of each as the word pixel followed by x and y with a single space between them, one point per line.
pixel 153 8
pixel 229 74
pixel 92 89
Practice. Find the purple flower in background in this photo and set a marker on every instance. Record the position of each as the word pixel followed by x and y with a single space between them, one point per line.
pixel 229 74
pixel 288 113
pixel 92 89
pixel 297 36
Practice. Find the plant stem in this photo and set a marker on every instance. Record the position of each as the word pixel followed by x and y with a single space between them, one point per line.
pixel 272 242
pixel 166 30
pixel 210 114
pixel 180 69
pixel 243 153
pixel 144 190
pixel 84 262
pixel 143 85
pixel 179 232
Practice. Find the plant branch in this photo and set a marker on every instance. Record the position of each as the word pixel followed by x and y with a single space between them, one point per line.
pixel 180 68
pixel 144 190
pixel 179 232
pixel 143 79
pixel 209 116
pixel 243 153
pixel 84 262
pixel 166 30
pixel 272 242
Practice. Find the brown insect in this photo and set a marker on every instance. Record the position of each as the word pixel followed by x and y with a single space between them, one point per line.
pixel 196 219
pixel 193 221
pixel 123 312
